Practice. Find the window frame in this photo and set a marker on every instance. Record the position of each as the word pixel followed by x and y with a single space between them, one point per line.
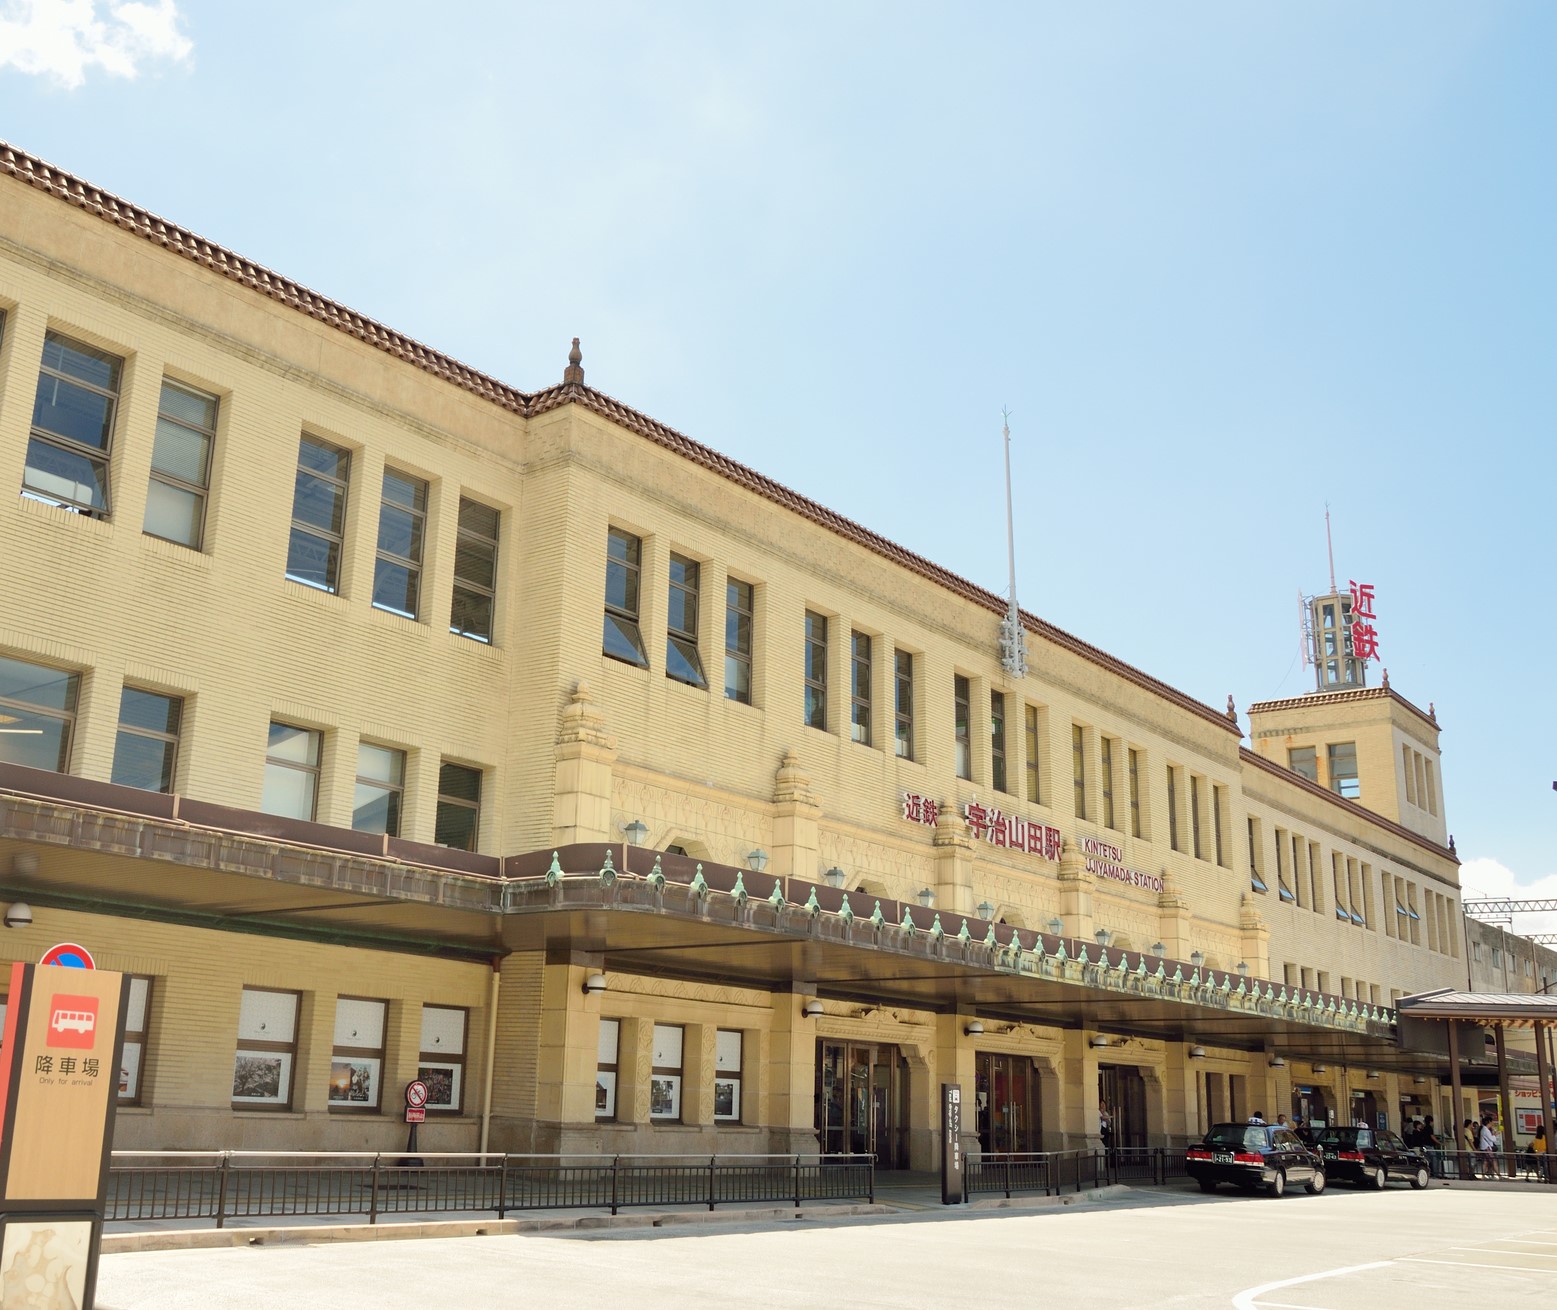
pixel 476 594
pixel 740 603
pixel 815 670
pixel 1337 751
pixel 962 725
pixel 1032 730
pixel 1134 758
pixel 623 615
pixel 169 739
pixel 132 1080
pixel 726 1076
pixel 65 716
pixel 261 1048
pixel 385 560
pixel 859 687
pixel 1105 764
pixel 199 491
pixel 435 1059
pixel 681 640
pixel 450 800
pixel 607 1070
pixel 1078 768
pixel 998 777
pixel 903 703
pixel 334 539
pixel 666 1079
pixel 315 769
pixel 346 1052
pixel 394 790
pixel 100 458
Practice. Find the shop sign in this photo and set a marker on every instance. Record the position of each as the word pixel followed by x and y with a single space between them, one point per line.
pixel 990 824
pixel 1107 861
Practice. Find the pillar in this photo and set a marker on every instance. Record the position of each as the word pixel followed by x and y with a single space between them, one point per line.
pixel 797 815
pixel 789 1078
pixel 1076 901
pixel 953 863
pixel 586 760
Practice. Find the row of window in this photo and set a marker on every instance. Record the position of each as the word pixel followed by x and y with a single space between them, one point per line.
pixel 1340 766
pixel 1366 993
pixel 1421 784
pixel 37 721
pixel 70 457
pixel 665 1074
pixel 1299 882
pixel 264 1062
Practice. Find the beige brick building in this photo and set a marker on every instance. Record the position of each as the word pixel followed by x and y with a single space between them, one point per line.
pixel 384 720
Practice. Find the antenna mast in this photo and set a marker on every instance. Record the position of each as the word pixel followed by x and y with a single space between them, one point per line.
pixel 1013 641
pixel 1330 546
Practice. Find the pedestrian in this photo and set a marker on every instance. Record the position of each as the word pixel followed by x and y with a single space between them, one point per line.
pixel 1488 1143
pixel 1429 1134
pixel 1258 1117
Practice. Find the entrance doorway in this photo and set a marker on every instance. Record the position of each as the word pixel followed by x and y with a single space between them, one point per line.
pixel 1006 1103
pixel 1122 1090
pixel 862 1101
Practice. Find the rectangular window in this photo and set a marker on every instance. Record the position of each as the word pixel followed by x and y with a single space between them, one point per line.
pixel 1105 761
pixel 903 709
pixel 1256 880
pixel 132 1063
pixel 380 790
pixel 441 1059
pixel 1135 793
pixel 1078 767
pixel 458 823
pixel 816 671
pixel 682 661
pixel 37 714
pixel 357 1058
pixel 318 514
pixel 1031 741
pixel 1303 760
pixel 1430 787
pixel 727 1076
pixel 859 687
pixel 1173 808
pixel 267 1048
pixel 606 1062
pixel 291 771
pixel 72 426
pixel 181 465
pixel 997 740
pixel 1343 769
pixel 475 571
pixel 1194 817
pixel 962 724
pixel 1405 758
pixel 1218 813
pixel 146 749
pixel 402 527
pixel 624 560
pixel 739 612
pixel 665 1077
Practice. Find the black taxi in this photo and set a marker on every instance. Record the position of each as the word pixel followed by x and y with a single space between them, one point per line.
pixel 1370 1157
pixel 1254 1156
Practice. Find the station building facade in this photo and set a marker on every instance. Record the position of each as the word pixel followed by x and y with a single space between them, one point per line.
pixel 384 721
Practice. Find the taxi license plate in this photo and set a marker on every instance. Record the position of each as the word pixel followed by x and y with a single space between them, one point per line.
pixel 1222 1157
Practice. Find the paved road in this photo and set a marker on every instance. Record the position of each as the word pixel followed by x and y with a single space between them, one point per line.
pixel 1142 1250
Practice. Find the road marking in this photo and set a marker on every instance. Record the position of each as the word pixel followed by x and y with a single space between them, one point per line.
pixel 1247 1300
pixel 1467 1264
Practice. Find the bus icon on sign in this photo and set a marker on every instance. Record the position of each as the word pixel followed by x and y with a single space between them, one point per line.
pixel 73 1021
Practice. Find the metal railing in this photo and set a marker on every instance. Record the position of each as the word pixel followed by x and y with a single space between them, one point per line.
pixel 223 1185
pixel 1493 1166
pixel 1053 1172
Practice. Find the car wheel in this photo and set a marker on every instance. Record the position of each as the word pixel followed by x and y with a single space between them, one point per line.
pixel 1206 1185
pixel 1378 1178
pixel 1316 1184
pixel 1419 1178
pixel 1278 1184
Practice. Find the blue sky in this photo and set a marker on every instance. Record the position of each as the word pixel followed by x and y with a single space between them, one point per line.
pixel 1226 263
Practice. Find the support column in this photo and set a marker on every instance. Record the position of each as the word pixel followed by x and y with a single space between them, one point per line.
pixel 1253 937
pixel 1543 1074
pixel 953 863
pixel 1173 925
pixel 797 814
pixel 957 1063
pixel 790 1078
pixel 586 760
pixel 1457 1130
pixel 1076 902
pixel 1181 1111
pixel 1505 1095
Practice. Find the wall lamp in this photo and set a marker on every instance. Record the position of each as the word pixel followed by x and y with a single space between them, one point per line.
pixel 757 860
pixel 986 911
pixel 1321 1068
pixel 1057 926
pixel 974 1029
pixel 1197 958
pixel 595 984
pixel 1420 1079
pixel 1197 1052
pixel 1373 1074
pixel 1278 1062
pixel 812 1009
pixel 1159 950
pixel 1099 1041
pixel 18 915
pixel 1104 937
pixel 926 897
pixel 636 831
pixel 836 877
pixel 1243 969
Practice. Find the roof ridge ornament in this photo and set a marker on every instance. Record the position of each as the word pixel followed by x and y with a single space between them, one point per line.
pixel 575 370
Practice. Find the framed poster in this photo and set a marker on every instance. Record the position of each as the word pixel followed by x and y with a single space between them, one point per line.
pixel 262 1078
pixel 605 1093
pixel 665 1096
pixel 443 1084
pixel 46 1261
pixel 354 1082
pixel 727 1098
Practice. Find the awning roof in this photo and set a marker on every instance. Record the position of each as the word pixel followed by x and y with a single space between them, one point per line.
pixel 1505 1009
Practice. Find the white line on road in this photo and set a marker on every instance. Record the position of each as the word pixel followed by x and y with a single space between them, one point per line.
pixel 1469 1264
pixel 1246 1300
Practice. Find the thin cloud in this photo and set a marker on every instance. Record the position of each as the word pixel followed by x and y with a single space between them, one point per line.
pixel 65 40
pixel 1488 878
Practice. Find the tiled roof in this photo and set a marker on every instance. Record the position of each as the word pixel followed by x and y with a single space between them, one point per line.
pixel 1523 1007
pixel 1328 697
pixel 44 176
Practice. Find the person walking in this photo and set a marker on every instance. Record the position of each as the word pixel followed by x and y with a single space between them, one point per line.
pixel 1488 1143
pixel 1469 1137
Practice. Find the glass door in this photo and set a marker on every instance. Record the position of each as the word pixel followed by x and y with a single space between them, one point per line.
pixel 1005 1102
pixel 860 1088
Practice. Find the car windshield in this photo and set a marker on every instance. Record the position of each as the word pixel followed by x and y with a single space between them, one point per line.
pixel 1236 1137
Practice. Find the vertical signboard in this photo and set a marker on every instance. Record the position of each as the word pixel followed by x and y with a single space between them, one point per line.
pixel 59 1075
pixel 951 1144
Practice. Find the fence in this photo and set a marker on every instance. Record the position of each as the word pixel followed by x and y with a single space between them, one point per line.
pixel 1053 1172
pixel 1496 1166
pixel 223 1185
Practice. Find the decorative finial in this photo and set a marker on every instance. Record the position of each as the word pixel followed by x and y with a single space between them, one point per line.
pixel 1232 710
pixel 575 370
pixel 1432 711
pixel 1452 846
pixel 1386 679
